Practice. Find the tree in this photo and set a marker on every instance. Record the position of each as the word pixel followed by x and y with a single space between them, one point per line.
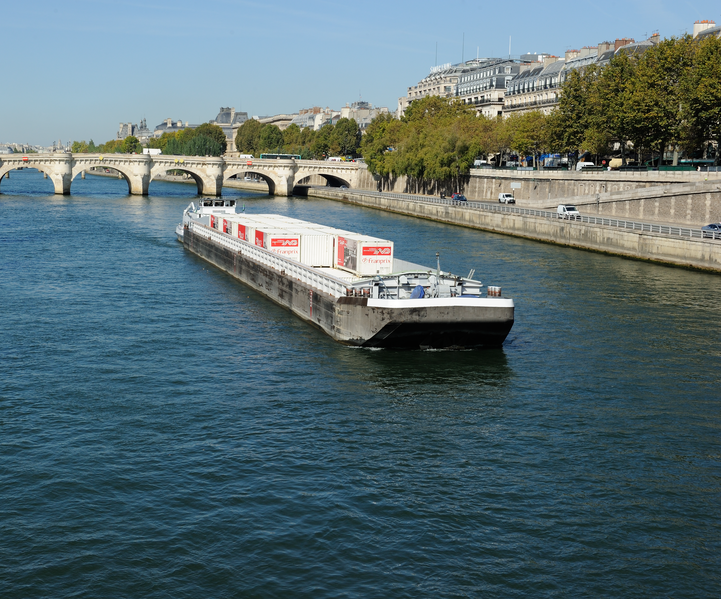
pixel 376 142
pixel 529 134
pixel 174 147
pixel 162 141
pixel 79 147
pixel 291 139
pixel 247 140
pixel 131 145
pixel 321 143
pixel 202 145
pixel 111 147
pixel 271 139
pixel 346 137
pixel 702 90
pixel 574 119
pixel 655 97
pixel 215 133
pixel 610 102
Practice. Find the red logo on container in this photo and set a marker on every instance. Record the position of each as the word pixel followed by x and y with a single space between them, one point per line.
pixel 342 242
pixel 212 221
pixel 371 250
pixel 259 238
pixel 241 232
pixel 283 242
pixel 225 226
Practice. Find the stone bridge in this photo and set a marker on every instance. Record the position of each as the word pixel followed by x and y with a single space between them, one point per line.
pixel 209 173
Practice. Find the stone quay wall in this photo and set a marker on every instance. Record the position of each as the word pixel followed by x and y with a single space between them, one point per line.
pixel 685 198
pixel 694 253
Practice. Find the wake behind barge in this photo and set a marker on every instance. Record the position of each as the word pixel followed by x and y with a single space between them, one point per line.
pixel 323 275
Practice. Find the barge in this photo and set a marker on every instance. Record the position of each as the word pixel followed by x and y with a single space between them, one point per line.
pixel 351 286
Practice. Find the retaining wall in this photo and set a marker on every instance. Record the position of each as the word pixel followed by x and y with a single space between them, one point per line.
pixel 695 253
pixel 686 198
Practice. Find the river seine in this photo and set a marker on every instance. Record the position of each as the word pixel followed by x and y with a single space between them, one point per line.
pixel 166 432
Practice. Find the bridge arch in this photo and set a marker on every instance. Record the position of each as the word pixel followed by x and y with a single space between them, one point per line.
pixel 6 168
pixel 204 184
pixel 126 173
pixel 331 180
pixel 267 176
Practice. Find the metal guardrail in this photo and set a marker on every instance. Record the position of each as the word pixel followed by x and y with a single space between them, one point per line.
pixel 592 220
pixel 321 282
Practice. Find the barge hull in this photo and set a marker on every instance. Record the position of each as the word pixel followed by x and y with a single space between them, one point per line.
pixel 357 321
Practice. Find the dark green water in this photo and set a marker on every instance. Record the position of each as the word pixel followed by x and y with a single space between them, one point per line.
pixel 165 432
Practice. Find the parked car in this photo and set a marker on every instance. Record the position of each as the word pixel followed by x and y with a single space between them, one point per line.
pixel 568 211
pixel 458 197
pixel 506 198
pixel 581 165
pixel 713 230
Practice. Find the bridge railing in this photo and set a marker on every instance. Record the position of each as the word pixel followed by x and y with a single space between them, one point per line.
pixel 290 268
pixel 686 232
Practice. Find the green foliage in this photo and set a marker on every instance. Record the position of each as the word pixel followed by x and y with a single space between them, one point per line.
pixel 162 141
pixel 346 137
pixel 575 118
pixel 270 139
pixel 655 94
pixel 111 147
pixel 131 145
pixel 215 133
pixel 320 146
pixel 437 139
pixel 702 88
pixel 82 147
pixel 79 147
pixel 202 145
pixel 247 140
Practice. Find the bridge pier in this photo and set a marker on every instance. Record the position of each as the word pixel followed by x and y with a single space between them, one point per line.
pixel 60 171
pixel 139 176
pixel 212 183
pixel 285 178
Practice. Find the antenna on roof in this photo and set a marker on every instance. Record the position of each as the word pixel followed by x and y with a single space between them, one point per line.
pixel 509 47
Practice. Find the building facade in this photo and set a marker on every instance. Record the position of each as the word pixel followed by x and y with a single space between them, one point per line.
pixel 140 131
pixel 441 82
pixel 482 82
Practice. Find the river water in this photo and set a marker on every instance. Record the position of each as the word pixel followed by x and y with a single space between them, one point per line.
pixel 166 432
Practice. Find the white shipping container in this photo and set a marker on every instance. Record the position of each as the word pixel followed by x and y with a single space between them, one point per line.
pixel 277 221
pixel 363 255
pixel 224 226
pixel 316 248
pixel 279 242
pixel 243 231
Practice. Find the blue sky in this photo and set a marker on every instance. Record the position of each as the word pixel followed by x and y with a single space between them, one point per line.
pixel 74 70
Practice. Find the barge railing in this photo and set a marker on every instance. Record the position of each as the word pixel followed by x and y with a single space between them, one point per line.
pixel 686 232
pixel 305 274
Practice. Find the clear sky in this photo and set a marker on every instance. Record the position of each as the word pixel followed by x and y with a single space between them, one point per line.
pixel 74 70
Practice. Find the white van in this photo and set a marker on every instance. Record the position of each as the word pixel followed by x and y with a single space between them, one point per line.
pixel 568 211
pixel 506 198
pixel 581 165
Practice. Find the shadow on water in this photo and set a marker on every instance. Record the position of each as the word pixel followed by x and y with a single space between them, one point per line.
pixel 446 373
